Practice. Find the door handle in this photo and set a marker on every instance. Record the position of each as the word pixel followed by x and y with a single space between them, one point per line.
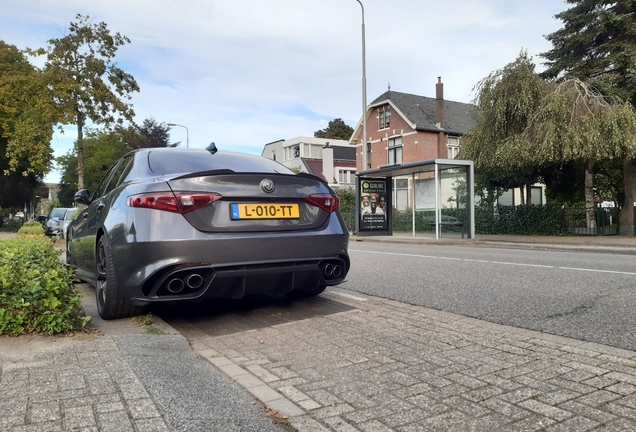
pixel 100 206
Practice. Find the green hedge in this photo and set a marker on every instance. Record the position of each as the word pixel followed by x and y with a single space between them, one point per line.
pixel 521 220
pixel 11 226
pixel 37 291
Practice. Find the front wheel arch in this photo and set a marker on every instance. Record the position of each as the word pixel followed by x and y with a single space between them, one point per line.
pixel 111 304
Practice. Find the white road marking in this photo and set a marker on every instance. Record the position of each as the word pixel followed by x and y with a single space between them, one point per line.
pixel 346 295
pixel 495 262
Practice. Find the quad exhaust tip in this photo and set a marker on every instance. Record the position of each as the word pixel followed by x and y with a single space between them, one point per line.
pixel 332 270
pixel 175 286
pixel 192 281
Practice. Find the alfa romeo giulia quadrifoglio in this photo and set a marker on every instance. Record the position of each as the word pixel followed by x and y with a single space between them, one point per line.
pixel 168 225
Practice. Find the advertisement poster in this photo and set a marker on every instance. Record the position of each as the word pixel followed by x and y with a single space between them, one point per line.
pixel 373 207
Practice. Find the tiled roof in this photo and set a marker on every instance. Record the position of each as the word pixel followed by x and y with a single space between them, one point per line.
pixel 458 117
pixel 314 166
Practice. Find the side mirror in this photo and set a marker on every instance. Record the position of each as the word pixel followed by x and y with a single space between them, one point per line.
pixel 82 197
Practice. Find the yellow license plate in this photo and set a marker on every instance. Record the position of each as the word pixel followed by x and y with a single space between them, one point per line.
pixel 264 211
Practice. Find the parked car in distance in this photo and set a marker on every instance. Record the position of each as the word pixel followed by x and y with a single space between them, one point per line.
pixel 68 217
pixel 42 220
pixel 176 225
pixel 54 221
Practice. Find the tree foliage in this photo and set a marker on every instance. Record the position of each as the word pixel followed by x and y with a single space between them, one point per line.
pixel 506 100
pixel 26 127
pixel 86 83
pixel 336 129
pixel 102 149
pixel 148 134
pixel 597 44
pixel 529 127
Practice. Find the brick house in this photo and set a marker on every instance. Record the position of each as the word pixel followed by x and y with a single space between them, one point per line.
pixel 403 128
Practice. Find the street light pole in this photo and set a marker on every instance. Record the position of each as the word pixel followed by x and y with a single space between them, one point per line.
pixel 364 95
pixel 187 133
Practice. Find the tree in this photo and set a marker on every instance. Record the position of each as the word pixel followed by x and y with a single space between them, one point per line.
pixel 149 134
pixel 505 101
pixel 102 148
pixel 85 82
pixel 26 127
pixel 576 125
pixel 597 44
pixel 336 129
pixel 528 127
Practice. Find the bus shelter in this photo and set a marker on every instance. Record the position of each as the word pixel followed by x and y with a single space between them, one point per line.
pixel 434 185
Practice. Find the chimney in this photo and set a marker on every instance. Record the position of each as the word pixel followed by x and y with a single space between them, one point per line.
pixel 327 163
pixel 439 99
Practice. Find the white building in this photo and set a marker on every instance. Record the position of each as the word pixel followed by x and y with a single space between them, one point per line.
pixel 331 159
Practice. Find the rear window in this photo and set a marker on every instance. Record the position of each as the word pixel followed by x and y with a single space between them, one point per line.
pixel 58 213
pixel 190 161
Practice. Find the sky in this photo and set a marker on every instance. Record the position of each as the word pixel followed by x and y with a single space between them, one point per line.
pixel 243 73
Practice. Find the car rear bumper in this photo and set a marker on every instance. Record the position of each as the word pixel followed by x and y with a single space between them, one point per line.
pixel 229 266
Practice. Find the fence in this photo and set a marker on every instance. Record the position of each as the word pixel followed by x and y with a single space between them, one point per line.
pixel 511 220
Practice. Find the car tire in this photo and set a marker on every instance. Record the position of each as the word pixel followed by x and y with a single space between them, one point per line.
pixel 110 303
pixel 305 293
pixel 68 252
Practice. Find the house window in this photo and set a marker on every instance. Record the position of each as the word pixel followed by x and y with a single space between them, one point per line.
pixel 292 152
pixel 368 155
pixel 312 151
pixel 273 154
pixel 453 147
pixel 395 150
pixel 346 177
pixel 536 195
pixel 384 116
pixel 507 198
pixel 400 193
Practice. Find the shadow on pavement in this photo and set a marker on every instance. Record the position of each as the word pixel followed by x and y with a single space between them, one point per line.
pixel 221 317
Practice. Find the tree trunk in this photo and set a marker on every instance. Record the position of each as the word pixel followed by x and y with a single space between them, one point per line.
pixel 521 196
pixel 529 193
pixel 627 212
pixel 589 195
pixel 80 150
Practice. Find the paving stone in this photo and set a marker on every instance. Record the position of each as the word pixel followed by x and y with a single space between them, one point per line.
pixel 338 424
pixel 530 424
pixel 578 424
pixel 79 417
pixel 45 412
pixel 116 421
pixel 549 411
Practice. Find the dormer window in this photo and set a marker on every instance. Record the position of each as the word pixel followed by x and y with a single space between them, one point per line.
pixel 384 116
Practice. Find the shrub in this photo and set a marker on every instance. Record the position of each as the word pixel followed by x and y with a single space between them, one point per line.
pixel 37 291
pixel 11 226
pixel 31 229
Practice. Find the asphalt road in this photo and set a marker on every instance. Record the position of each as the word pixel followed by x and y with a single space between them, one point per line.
pixel 583 295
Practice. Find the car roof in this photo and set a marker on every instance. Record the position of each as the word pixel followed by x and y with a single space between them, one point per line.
pixel 170 161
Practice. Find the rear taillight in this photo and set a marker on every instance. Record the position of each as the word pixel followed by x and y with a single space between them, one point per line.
pixel 327 202
pixel 178 202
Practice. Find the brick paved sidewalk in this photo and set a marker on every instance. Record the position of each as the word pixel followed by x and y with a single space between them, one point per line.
pixel 389 366
pixel 73 385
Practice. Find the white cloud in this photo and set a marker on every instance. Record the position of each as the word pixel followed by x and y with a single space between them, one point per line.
pixel 244 73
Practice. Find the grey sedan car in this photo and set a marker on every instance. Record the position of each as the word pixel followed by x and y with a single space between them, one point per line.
pixel 168 225
pixel 54 221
